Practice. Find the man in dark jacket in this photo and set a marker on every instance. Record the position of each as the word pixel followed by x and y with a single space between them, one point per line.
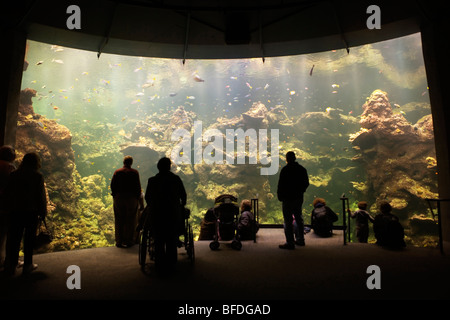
pixel 126 191
pixel 166 198
pixel 292 185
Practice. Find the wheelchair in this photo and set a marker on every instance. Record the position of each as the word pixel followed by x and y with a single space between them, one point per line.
pixel 226 212
pixel 147 239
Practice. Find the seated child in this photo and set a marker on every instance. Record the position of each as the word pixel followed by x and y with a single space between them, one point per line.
pixel 247 224
pixel 322 218
pixel 388 230
pixel 208 225
pixel 362 221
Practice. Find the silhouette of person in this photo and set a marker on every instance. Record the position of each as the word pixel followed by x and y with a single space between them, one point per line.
pixel 27 203
pixel 322 218
pixel 246 223
pixel 7 157
pixel 292 184
pixel 166 197
pixel 387 228
pixel 362 221
pixel 126 191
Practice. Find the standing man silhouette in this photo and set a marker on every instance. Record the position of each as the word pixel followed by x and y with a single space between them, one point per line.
pixel 126 191
pixel 292 184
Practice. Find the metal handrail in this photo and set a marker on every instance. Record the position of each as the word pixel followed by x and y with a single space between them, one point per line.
pixel 441 247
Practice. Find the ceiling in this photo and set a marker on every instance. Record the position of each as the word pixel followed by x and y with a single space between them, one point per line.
pixel 212 28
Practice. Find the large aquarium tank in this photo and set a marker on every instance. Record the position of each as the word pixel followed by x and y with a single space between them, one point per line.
pixel 359 122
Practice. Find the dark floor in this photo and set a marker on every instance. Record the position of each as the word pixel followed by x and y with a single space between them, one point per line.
pixel 323 269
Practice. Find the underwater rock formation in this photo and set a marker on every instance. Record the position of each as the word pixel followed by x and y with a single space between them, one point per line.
pixel 52 142
pixel 255 117
pixel 397 156
pixel 75 223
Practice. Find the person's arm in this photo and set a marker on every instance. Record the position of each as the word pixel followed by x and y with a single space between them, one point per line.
pixel 305 180
pixel 281 185
pixel 371 219
pixel 113 184
pixel 148 192
pixel 183 195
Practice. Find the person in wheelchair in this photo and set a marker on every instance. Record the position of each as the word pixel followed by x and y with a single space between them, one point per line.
pixel 166 197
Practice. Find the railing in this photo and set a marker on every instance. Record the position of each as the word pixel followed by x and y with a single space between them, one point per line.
pixel 438 205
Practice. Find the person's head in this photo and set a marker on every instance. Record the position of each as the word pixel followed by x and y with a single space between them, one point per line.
pixel 246 205
pixel 385 207
pixel 319 201
pixel 127 161
pixel 30 161
pixel 362 205
pixel 7 153
pixel 164 164
pixel 290 157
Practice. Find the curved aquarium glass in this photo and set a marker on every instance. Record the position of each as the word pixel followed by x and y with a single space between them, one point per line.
pixel 360 123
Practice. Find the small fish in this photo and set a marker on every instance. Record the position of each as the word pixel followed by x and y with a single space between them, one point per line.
pixel 266 86
pixel 56 48
pixel 58 61
pixel 172 94
pixel 190 97
pixel 233 78
pixel 197 78
pixel 291 93
pixel 135 101
pixel 334 85
pixel 39 63
pixel 396 105
pixel 333 91
pixel 139 94
pixel 138 69
pixel 33 81
pixel 85 73
pixel 248 85
pixel 105 81
pixel 311 71
pixel 55 108
pixel 149 83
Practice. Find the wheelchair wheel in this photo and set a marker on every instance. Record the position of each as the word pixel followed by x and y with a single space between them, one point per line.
pixel 143 246
pixel 151 248
pixel 214 245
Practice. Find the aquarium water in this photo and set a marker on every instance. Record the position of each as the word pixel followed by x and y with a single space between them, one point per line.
pixel 227 125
